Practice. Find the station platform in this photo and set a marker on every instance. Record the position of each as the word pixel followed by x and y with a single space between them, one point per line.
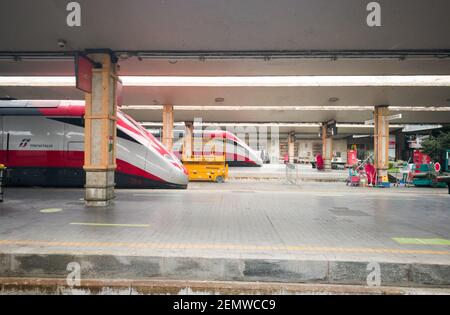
pixel 278 172
pixel 317 233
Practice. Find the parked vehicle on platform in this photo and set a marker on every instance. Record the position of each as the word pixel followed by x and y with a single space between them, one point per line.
pixel 42 144
pixel 237 152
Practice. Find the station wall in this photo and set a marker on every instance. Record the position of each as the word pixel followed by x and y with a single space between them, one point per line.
pixel 306 149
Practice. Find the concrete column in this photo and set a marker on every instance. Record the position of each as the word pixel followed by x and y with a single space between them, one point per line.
pixel 100 133
pixel 327 148
pixel 168 127
pixel 188 139
pixel 381 141
pixel 274 145
pixel 291 146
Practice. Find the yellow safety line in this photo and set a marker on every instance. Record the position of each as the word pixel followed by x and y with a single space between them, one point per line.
pixel 225 247
pixel 110 224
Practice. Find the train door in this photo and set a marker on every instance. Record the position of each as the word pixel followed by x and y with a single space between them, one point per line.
pixel 74 175
pixel 35 146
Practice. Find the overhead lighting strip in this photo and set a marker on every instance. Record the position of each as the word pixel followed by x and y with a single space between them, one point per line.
pixel 244 81
pixel 293 125
pixel 285 108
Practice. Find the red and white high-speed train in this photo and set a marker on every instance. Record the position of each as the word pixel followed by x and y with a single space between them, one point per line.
pixel 237 152
pixel 42 144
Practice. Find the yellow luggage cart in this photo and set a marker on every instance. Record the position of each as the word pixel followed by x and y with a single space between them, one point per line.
pixel 210 169
pixel 209 163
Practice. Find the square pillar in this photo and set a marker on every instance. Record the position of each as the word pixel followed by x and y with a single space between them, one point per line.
pixel 274 145
pixel 381 141
pixel 188 139
pixel 100 133
pixel 168 127
pixel 291 146
pixel 327 148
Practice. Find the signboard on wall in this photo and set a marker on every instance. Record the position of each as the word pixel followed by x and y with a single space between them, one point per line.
pixel 392 146
pixel 83 73
pixel 332 130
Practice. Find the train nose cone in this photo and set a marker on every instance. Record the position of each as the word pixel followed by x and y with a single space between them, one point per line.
pixel 178 177
pixel 256 159
pixel 259 161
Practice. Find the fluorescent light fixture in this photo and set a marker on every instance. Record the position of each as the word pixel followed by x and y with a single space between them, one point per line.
pixel 413 128
pixel 143 107
pixel 46 103
pixel 231 124
pixel 244 81
pixel 158 124
pixel 287 81
pixel 419 108
pixel 366 126
pixel 226 124
pixel 285 108
pixel 249 108
pixel 292 125
pixel 394 117
pixel 389 118
pixel 38 81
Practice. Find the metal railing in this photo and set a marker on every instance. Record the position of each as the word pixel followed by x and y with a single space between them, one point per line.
pixel 292 173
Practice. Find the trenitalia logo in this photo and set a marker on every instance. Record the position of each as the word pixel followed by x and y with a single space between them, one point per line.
pixel 24 143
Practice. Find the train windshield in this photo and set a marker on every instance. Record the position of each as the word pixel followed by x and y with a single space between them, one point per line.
pixel 144 133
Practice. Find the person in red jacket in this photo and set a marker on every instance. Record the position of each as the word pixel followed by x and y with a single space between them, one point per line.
pixel 319 162
pixel 371 174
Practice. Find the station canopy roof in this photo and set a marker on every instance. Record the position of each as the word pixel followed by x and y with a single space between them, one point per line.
pixel 225 25
pixel 237 38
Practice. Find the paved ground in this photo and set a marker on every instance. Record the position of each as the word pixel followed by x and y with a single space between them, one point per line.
pixel 239 219
pixel 236 220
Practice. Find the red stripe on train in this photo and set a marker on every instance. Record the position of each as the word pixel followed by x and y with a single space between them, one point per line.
pixel 127 168
pixel 63 110
pixel 124 123
pixel 79 110
pixel 42 158
pixel 69 159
